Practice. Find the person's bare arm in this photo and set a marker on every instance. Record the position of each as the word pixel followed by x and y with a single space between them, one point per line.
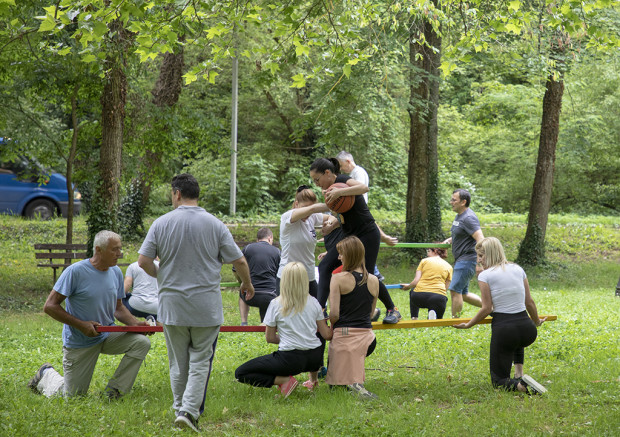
pixel 478 236
pixel 387 239
pixel 416 279
pixel 354 188
pixel 373 288
pixel 243 271
pixel 531 306
pixel 123 315
pixel 334 300
pixel 307 211
pixel 325 331
pixel 271 335
pixel 487 307
pixel 148 265
pixel 54 309
pixel 128 284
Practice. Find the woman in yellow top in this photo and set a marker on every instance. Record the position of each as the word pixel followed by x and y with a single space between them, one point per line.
pixel 431 281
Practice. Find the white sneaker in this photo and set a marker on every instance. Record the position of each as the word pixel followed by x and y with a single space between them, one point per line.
pixel 432 315
pixel 533 384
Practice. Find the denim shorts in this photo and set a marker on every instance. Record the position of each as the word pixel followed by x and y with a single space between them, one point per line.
pixel 461 275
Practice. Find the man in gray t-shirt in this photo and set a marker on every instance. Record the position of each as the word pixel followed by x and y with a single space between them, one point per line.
pixel 465 233
pixel 192 245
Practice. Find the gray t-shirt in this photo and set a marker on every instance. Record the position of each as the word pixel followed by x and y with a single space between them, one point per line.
pixel 463 244
pixel 507 288
pixel 143 289
pixel 191 245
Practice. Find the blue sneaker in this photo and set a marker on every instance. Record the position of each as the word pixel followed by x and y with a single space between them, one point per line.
pixel 322 372
pixel 392 317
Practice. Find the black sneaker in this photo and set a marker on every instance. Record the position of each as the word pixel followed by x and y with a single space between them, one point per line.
pixel 533 385
pixel 112 393
pixel 34 382
pixel 186 421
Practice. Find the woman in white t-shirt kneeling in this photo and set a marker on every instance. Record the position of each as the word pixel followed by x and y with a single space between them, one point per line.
pixel 296 316
pixel 505 291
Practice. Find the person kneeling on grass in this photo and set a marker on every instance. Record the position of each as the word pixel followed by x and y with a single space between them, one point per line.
pixel 93 291
pixel 506 291
pixel 352 300
pixel 296 315
pixel 432 279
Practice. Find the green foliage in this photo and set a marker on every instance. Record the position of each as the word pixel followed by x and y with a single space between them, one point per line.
pixel 532 248
pixel 130 213
pixel 100 217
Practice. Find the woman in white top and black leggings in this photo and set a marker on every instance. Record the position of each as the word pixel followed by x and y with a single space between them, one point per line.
pixel 505 291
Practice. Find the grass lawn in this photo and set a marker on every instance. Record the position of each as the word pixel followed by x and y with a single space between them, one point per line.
pixel 429 381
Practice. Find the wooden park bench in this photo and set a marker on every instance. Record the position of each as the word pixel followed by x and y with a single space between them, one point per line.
pixel 60 256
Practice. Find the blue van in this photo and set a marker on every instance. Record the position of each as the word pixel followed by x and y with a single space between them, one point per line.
pixel 29 190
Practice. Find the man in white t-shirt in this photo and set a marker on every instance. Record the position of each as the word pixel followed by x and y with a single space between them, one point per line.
pixel 347 165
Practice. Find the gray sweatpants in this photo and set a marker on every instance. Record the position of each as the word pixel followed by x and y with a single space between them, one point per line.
pixel 190 357
pixel 79 365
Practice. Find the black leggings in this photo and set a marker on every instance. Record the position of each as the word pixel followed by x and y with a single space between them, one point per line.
pixel 262 371
pixel 432 301
pixel 510 334
pixel 330 262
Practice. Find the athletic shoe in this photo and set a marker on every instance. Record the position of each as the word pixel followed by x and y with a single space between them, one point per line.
pixel 244 323
pixel 392 316
pixel 288 387
pixel 186 421
pixel 322 372
pixel 34 382
pixel 310 385
pixel 432 315
pixel 376 315
pixel 325 313
pixel 359 390
pixel 536 387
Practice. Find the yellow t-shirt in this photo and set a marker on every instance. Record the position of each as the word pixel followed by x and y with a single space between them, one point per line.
pixel 435 273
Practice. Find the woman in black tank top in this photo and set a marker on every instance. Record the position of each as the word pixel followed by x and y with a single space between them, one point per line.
pixel 352 300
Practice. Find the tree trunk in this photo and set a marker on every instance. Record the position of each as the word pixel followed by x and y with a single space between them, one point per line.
pixel 70 162
pixel 113 118
pixel 532 248
pixel 423 221
pixel 166 93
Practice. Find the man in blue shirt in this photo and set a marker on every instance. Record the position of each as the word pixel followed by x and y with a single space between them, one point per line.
pixel 465 233
pixel 92 290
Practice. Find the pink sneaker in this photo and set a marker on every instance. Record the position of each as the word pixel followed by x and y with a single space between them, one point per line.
pixel 311 385
pixel 288 387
